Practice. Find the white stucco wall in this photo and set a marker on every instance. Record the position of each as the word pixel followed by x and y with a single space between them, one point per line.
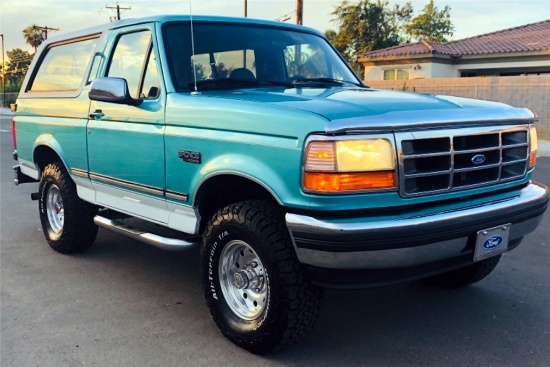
pixel 531 91
pixel 373 73
pixel 416 71
pixel 444 71
pixel 502 65
pixel 437 70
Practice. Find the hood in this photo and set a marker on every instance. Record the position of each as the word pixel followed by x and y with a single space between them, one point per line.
pixel 348 107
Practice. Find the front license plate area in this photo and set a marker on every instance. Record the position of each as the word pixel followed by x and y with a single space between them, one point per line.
pixel 491 242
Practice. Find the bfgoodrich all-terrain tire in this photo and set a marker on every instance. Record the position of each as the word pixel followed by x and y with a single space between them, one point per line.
pixel 67 221
pixel 464 276
pixel 257 292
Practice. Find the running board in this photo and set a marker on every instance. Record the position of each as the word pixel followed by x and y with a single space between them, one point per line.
pixel 118 226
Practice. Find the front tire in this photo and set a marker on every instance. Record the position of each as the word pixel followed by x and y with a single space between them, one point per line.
pixel 257 292
pixel 67 221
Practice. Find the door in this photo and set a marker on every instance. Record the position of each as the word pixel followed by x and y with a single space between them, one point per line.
pixel 126 143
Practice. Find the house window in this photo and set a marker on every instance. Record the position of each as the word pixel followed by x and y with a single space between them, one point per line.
pixel 396 74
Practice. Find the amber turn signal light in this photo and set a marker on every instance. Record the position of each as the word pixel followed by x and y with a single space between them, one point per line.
pixel 533 143
pixel 339 182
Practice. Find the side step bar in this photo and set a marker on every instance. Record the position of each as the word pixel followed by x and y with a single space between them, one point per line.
pixel 118 226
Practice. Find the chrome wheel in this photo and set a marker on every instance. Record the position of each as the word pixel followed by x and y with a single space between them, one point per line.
pixel 55 209
pixel 243 280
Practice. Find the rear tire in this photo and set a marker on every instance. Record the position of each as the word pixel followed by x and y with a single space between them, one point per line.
pixel 257 291
pixel 464 276
pixel 67 221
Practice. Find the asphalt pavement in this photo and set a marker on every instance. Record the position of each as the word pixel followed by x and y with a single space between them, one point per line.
pixel 124 303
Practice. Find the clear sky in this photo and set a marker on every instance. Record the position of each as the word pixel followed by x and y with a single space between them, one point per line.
pixel 470 17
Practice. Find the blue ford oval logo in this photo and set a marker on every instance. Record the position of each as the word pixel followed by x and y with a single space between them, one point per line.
pixel 492 242
pixel 478 159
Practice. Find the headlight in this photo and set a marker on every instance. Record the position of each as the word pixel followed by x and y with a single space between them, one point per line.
pixel 349 165
pixel 533 146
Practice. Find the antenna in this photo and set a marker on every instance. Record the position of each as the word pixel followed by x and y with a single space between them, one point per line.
pixel 195 92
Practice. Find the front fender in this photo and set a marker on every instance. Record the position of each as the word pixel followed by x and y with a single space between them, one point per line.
pixel 250 168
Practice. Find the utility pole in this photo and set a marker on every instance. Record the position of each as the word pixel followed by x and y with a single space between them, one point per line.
pixel 245 9
pixel 300 12
pixel 3 75
pixel 46 29
pixel 118 8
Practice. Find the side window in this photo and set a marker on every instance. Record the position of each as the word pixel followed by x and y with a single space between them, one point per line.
pixel 64 67
pixel 135 61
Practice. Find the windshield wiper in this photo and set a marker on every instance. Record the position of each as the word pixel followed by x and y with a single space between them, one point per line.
pixel 225 82
pixel 324 81
pixel 235 83
pixel 228 83
pixel 277 83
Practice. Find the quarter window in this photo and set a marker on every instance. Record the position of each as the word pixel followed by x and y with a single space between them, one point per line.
pixel 151 80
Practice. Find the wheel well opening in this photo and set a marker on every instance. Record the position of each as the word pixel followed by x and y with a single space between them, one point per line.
pixel 223 190
pixel 44 155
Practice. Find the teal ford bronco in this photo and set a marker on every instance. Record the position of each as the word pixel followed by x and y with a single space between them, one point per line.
pixel 256 141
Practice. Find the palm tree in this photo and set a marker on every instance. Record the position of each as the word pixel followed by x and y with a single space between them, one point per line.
pixel 33 36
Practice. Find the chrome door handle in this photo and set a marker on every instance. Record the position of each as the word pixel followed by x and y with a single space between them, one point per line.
pixel 96 114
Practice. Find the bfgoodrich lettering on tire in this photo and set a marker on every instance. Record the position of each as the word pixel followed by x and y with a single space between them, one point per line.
pixel 256 290
pixel 67 221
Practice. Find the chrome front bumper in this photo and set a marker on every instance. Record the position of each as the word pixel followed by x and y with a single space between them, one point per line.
pixel 414 240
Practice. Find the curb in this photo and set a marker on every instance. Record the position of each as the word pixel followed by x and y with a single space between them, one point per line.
pixel 4 111
pixel 543 148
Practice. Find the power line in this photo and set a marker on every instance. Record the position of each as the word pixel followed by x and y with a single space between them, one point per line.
pixel 118 9
pixel 285 17
pixel 46 29
pixel 299 13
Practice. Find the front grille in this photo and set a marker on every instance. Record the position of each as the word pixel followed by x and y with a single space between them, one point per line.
pixel 443 161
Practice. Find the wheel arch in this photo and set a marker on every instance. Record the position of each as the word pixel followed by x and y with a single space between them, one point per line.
pixel 45 154
pixel 220 190
pixel 47 150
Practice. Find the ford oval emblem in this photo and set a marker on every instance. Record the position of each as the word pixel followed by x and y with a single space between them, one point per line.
pixel 492 242
pixel 478 159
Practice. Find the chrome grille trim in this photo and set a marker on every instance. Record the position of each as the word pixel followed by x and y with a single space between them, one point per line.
pixel 440 161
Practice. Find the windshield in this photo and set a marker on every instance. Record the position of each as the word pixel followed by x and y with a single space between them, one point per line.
pixel 242 55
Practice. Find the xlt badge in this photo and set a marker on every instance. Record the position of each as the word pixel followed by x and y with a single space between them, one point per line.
pixel 190 156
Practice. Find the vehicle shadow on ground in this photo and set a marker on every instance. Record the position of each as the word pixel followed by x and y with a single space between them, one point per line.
pixel 402 325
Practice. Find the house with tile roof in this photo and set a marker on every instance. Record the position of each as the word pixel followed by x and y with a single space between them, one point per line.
pixel 523 50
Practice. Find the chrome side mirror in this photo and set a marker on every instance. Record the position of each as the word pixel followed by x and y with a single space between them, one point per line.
pixel 112 90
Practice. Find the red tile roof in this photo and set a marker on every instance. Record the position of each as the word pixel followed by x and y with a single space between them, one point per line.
pixel 526 38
